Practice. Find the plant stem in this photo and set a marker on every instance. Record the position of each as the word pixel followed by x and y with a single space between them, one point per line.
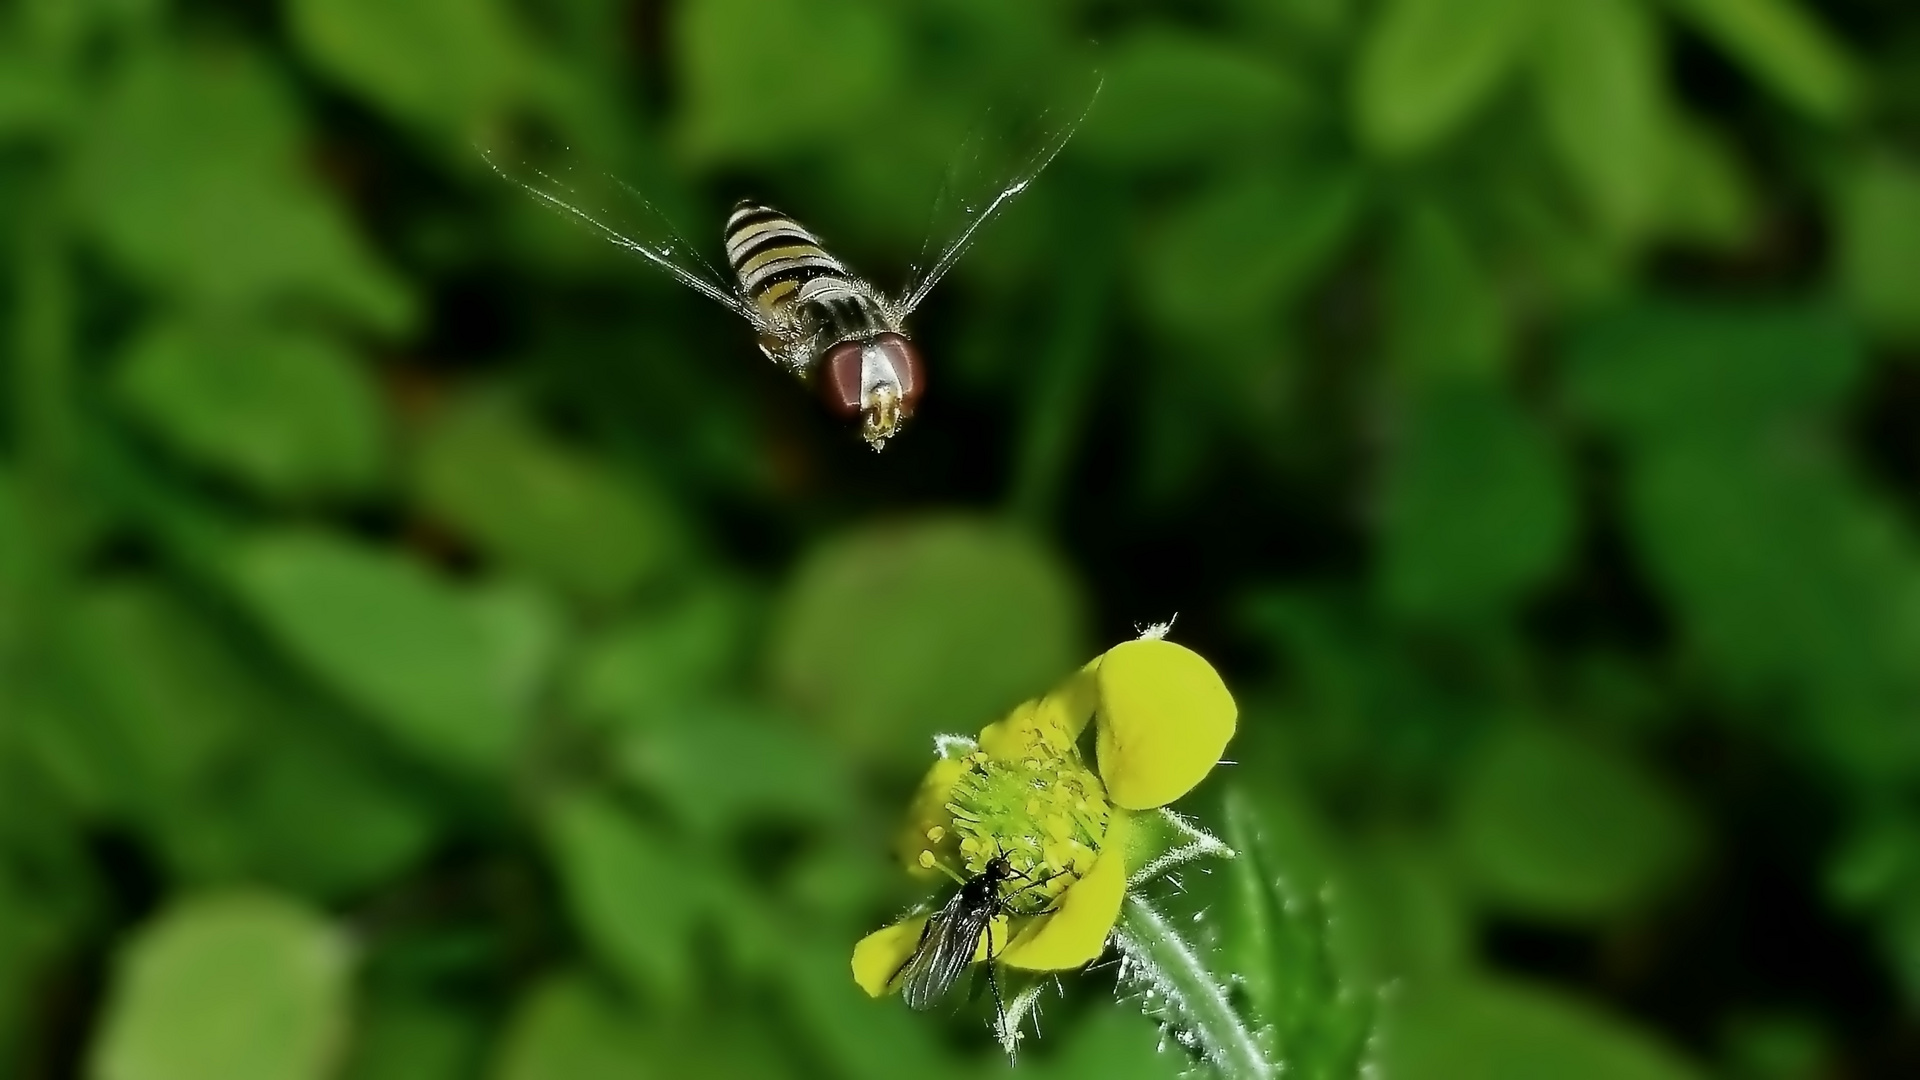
pixel 1185 995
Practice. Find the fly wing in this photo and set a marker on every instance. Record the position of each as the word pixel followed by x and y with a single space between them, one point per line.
pixel 946 948
pixel 620 214
pixel 994 165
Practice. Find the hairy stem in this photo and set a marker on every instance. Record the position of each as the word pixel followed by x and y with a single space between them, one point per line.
pixel 1180 990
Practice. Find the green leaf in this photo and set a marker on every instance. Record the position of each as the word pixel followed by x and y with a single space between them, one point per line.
pixel 893 634
pixel 567 1028
pixel 1476 1026
pixel 648 670
pixel 720 768
pixel 413 1037
pixel 449 672
pixel 303 813
pixel 635 897
pixel 440 63
pixel 1784 47
pixel 736 56
pixel 1477 508
pixel 1676 369
pixel 1554 828
pixel 1244 247
pixel 1879 256
pixel 1448 317
pixel 159 703
pixel 290 413
pixel 1708 199
pixel 1278 932
pixel 1174 97
pixel 190 177
pixel 1601 80
pixel 234 986
pixel 541 507
pixel 1426 66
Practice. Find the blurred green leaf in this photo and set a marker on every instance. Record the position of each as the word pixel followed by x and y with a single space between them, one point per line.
pixel 650 668
pixel 441 63
pixel 36 98
pixel 159 703
pixel 1784 47
pixel 1708 199
pixel 719 768
pixel 542 507
pixel 1602 95
pixel 892 634
pixel 414 1038
pixel 1479 1028
pixel 567 1028
pixel 1553 827
pixel 236 986
pixel 635 897
pixel 1787 574
pixel 1878 208
pixel 291 413
pixel 451 672
pixel 1173 98
pixel 1477 507
pixel 1245 246
pixel 735 58
pixel 303 813
pixel 1668 368
pixel 1113 1043
pixel 1427 65
pixel 190 177
pixel 1447 314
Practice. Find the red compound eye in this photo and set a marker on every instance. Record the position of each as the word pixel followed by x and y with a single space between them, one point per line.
pixel 840 380
pixel 900 365
pixel 908 372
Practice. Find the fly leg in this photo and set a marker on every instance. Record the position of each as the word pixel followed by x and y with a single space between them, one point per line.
pixel 999 1007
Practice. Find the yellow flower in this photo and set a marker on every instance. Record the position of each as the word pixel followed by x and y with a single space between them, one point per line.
pixel 1075 839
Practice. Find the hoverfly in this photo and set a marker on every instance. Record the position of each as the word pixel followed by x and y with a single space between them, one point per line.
pixel 812 316
pixel 952 935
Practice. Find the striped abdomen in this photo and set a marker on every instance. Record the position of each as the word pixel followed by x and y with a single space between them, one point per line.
pixel 782 268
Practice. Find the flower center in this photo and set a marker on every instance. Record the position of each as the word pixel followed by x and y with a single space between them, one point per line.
pixel 1045 811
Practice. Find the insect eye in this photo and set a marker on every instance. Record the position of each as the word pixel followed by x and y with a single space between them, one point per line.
pixel 908 372
pixel 840 380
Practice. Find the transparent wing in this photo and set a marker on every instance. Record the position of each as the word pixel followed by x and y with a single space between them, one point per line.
pixel 621 215
pixel 946 948
pixel 995 164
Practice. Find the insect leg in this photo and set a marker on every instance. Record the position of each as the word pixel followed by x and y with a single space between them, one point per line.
pixel 999 1006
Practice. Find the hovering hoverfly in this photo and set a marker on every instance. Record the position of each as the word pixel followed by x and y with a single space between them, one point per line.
pixel 953 934
pixel 812 315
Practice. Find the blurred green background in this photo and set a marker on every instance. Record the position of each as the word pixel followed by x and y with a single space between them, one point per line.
pixel 434 645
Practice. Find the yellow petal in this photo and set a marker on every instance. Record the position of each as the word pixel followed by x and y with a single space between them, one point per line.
pixel 1075 932
pixel 929 812
pixel 1165 718
pixel 881 954
pixel 1056 719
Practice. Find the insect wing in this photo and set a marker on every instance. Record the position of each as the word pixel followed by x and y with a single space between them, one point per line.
pixel 946 948
pixel 987 174
pixel 621 215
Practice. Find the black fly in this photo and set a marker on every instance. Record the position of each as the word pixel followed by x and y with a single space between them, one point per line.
pixel 952 935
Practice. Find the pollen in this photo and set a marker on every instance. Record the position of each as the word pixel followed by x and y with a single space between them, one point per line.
pixel 927 861
pixel 936 834
pixel 1042 809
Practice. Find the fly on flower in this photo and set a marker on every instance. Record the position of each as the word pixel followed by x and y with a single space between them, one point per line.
pixel 812 315
pixel 1023 803
pixel 960 930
